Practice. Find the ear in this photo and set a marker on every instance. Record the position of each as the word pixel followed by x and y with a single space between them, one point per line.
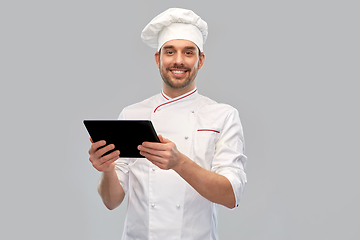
pixel 201 60
pixel 157 59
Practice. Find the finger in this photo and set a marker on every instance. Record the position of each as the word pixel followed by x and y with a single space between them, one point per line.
pixel 91 140
pixel 155 146
pixel 105 165
pixel 102 151
pixel 161 165
pixel 94 147
pixel 150 151
pixel 152 158
pixel 109 157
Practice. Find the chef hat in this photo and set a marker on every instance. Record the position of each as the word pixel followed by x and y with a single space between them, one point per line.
pixel 175 23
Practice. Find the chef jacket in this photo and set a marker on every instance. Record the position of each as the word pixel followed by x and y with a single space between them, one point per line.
pixel 162 205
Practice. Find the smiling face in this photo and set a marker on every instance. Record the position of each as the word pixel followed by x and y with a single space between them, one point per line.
pixel 179 62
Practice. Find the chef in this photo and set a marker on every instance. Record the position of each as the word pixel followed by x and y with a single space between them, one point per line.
pixel 199 163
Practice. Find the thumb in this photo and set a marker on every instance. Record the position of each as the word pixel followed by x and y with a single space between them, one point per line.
pixel 163 140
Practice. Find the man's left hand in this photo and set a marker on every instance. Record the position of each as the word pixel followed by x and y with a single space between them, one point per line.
pixel 165 154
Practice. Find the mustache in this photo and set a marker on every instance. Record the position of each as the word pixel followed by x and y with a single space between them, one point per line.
pixel 179 66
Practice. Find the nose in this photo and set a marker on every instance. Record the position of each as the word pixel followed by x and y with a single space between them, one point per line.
pixel 179 59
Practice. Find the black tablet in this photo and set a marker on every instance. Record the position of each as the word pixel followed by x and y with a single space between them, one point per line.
pixel 126 135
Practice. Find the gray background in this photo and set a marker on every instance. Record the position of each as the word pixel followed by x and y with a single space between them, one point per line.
pixel 291 68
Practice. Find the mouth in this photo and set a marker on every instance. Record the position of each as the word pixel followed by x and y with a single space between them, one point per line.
pixel 178 72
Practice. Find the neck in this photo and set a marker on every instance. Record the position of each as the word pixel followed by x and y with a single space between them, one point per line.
pixel 176 92
pixel 173 93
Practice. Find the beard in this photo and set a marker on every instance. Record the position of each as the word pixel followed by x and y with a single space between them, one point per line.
pixel 178 82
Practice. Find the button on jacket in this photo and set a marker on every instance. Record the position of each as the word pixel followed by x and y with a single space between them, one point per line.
pixel 161 205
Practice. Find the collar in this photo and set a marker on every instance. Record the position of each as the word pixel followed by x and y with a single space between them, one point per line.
pixel 187 96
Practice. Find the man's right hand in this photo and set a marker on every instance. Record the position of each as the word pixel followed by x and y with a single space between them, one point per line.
pixel 103 163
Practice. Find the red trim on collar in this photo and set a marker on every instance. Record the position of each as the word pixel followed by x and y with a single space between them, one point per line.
pixel 175 100
pixel 162 93
pixel 208 130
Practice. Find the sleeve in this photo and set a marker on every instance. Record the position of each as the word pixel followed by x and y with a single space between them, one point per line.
pixel 122 166
pixel 229 159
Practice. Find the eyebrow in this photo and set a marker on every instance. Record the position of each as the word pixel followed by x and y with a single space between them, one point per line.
pixel 191 48
pixel 187 47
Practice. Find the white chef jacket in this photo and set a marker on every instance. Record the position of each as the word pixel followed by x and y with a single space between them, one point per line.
pixel 161 205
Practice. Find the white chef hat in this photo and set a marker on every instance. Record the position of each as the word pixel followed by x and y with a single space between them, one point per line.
pixel 175 23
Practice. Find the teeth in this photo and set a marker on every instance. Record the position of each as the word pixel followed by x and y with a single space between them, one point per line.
pixel 178 72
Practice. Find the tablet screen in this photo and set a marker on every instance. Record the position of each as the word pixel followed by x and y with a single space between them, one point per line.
pixel 126 135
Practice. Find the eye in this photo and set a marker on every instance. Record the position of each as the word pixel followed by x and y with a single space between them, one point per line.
pixel 188 53
pixel 169 52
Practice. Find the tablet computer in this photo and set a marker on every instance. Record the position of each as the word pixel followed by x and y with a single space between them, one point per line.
pixel 126 135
